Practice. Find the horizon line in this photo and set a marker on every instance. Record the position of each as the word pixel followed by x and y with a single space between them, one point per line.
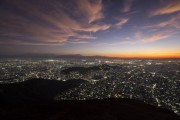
pixel 116 57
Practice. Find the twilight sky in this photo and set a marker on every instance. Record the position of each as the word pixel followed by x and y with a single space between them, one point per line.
pixel 118 28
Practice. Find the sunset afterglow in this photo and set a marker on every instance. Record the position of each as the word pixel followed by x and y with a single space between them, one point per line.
pixel 114 28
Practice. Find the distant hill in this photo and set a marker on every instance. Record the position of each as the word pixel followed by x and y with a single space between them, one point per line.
pixel 107 109
pixel 73 56
pixel 36 90
pixel 84 70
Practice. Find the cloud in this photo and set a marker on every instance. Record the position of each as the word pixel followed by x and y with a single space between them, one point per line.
pixel 127 5
pixel 78 42
pixel 121 22
pixel 153 37
pixel 95 28
pixel 156 37
pixel 50 22
pixel 169 7
pixel 19 42
pixel 138 35
pixel 84 36
pixel 172 22
pixel 91 9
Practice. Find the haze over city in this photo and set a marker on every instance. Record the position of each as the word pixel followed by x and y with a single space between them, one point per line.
pixel 114 28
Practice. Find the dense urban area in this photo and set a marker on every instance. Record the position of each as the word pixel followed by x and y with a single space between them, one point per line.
pixel 155 81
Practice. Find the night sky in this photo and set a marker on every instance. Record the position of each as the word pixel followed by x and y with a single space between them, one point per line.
pixel 117 28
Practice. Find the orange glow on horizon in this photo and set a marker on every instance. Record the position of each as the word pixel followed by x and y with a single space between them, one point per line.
pixel 148 55
pixel 138 55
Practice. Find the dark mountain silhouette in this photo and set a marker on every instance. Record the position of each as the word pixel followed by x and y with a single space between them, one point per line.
pixel 107 109
pixel 36 90
pixel 33 100
pixel 84 70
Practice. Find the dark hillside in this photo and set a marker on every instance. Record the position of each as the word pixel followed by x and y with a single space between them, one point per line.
pixel 35 90
pixel 107 109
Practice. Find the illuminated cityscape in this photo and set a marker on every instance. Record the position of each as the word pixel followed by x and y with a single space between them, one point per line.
pixel 154 81
pixel 57 56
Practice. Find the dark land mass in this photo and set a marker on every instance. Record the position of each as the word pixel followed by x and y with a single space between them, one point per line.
pixel 107 109
pixel 33 100
pixel 84 70
pixel 35 90
pixel 72 56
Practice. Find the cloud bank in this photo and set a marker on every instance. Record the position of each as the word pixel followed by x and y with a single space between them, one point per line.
pixel 55 22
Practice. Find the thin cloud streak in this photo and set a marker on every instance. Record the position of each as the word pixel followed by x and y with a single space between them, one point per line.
pixel 169 7
pixel 127 6
pixel 152 37
pixel 94 28
pixel 156 37
pixel 91 9
pixel 78 42
pixel 172 22
pixel 121 22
